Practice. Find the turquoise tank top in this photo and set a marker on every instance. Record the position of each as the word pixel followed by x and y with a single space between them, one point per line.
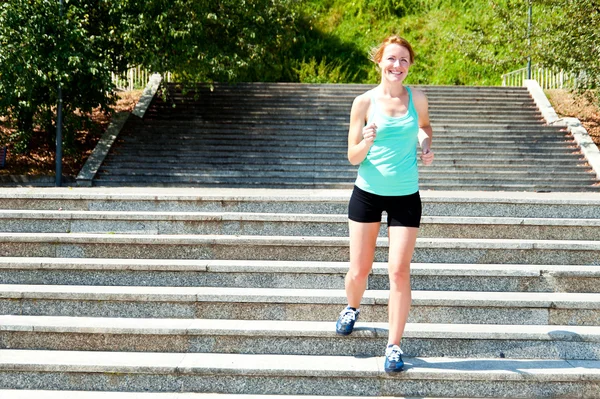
pixel 390 167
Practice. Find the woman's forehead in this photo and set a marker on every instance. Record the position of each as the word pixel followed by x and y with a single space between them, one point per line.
pixel 397 50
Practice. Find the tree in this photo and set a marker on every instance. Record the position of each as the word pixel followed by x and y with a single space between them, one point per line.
pixel 564 34
pixel 39 49
pixel 573 41
pixel 207 40
pixel 197 40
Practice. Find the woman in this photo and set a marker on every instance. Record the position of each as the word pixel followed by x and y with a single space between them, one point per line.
pixel 386 123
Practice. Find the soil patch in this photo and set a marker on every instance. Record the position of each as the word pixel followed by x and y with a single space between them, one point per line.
pixel 581 106
pixel 39 160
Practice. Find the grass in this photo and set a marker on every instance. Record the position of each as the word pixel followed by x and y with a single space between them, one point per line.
pixel 451 39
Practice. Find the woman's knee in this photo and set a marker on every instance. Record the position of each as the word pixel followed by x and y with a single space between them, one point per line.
pixel 399 276
pixel 359 273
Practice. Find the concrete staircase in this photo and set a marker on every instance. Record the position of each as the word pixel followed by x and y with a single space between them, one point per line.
pixel 177 293
pixel 295 136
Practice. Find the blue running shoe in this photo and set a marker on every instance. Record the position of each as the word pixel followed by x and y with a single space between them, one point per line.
pixel 345 323
pixel 393 359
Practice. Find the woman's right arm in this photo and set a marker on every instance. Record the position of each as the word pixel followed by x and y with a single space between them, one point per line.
pixel 360 137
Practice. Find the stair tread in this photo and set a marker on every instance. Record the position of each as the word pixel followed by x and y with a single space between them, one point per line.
pixel 189 239
pixel 223 327
pixel 41 394
pixel 554 300
pixel 416 368
pixel 276 217
pixel 297 267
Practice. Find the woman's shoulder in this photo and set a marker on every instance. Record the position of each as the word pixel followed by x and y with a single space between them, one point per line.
pixel 417 93
pixel 419 97
pixel 363 100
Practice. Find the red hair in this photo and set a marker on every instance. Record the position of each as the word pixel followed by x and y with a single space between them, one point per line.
pixel 377 52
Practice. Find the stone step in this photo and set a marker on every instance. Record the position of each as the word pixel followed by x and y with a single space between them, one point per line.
pixel 440 203
pixel 341 129
pixel 339 90
pixel 335 124
pixel 216 136
pixel 275 224
pixel 446 307
pixel 334 99
pixel 296 375
pixel 273 115
pixel 254 98
pixel 348 87
pixel 297 338
pixel 156 182
pixel 327 182
pixel 343 170
pixel 293 274
pixel 284 156
pixel 52 394
pixel 336 136
pixel 180 246
pixel 572 178
pixel 277 146
pixel 316 175
pixel 441 161
pixel 278 110
pixel 258 165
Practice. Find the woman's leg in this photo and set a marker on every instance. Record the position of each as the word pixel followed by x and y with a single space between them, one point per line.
pixel 402 242
pixel 363 239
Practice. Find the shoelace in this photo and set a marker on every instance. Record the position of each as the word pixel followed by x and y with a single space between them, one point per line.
pixel 348 315
pixel 394 353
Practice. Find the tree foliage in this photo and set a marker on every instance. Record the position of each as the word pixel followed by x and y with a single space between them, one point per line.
pixel 197 40
pixel 564 34
pixel 457 42
pixel 573 42
pixel 207 40
pixel 40 49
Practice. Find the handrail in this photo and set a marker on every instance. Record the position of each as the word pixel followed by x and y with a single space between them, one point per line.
pixel 135 78
pixel 548 78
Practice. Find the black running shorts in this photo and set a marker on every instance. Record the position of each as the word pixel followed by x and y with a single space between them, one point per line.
pixel 402 210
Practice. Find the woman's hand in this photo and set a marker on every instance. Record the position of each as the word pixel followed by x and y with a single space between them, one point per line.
pixel 427 156
pixel 369 133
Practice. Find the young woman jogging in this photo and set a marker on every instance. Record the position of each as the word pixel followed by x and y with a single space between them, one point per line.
pixel 386 124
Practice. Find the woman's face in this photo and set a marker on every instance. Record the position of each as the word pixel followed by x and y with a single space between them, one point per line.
pixel 395 63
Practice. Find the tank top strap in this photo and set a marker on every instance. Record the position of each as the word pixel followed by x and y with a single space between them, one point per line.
pixel 411 105
pixel 373 107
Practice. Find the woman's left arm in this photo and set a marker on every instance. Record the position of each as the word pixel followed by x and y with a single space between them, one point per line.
pixel 425 130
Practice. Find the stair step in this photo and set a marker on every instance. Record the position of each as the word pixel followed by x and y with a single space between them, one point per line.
pixel 453 177
pixel 241 223
pixel 285 184
pixel 38 394
pixel 116 167
pixel 293 274
pixel 297 337
pixel 440 203
pixel 289 374
pixel 455 307
pixel 428 250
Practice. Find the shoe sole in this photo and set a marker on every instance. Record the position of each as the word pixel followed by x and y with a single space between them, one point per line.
pixel 394 370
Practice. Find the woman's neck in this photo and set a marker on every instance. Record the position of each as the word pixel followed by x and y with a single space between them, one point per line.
pixel 392 90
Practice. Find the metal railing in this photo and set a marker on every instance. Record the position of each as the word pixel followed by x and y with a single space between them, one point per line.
pixel 135 79
pixel 547 78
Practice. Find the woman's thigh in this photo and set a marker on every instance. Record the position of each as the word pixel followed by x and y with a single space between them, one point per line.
pixel 402 241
